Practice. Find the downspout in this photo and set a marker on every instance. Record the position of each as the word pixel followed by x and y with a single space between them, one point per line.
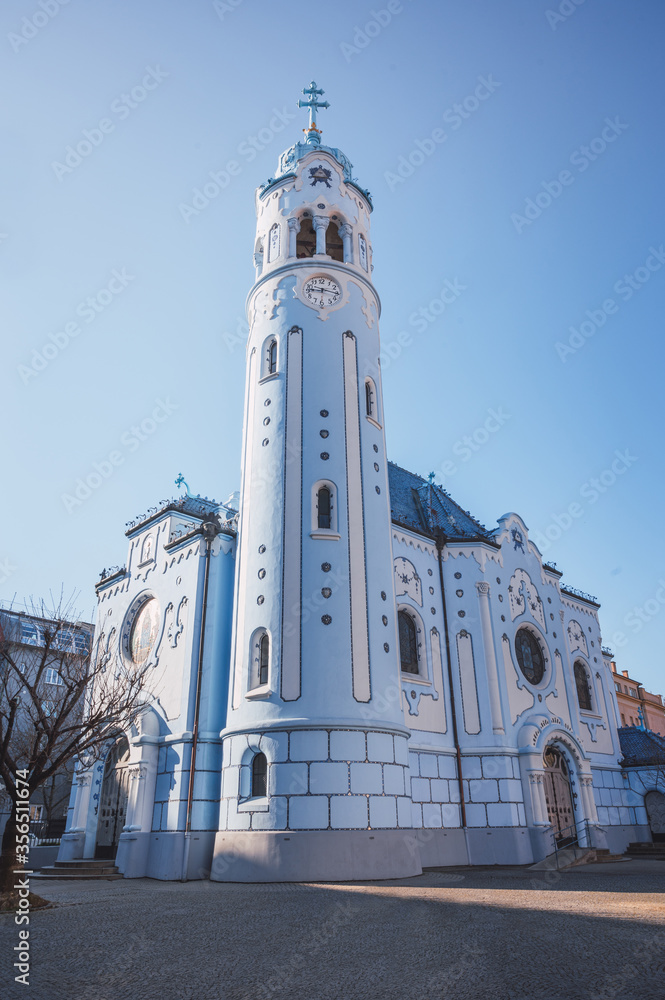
pixel 209 530
pixel 440 542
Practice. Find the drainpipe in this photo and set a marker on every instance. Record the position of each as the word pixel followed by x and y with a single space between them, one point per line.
pixel 209 530
pixel 440 542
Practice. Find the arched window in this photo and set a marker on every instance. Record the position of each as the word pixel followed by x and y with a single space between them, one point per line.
pixel 272 357
pixel 408 643
pixel 369 397
pixel 334 243
pixel 323 507
pixel 371 403
pixel 259 787
pixel 582 685
pixel 264 658
pixel 306 239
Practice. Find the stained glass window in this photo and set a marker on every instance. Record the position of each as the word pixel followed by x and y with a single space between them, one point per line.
pixel 529 656
pixel 323 507
pixel 144 631
pixel 582 685
pixel 264 655
pixel 408 643
pixel 259 775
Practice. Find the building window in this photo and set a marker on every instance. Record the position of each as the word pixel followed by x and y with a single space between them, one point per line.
pixel 369 398
pixel 334 243
pixel 52 676
pixel 623 719
pixel 306 239
pixel 408 643
pixel 582 685
pixel 259 787
pixel 323 507
pixel 371 409
pixel 269 358
pixel 264 658
pixel 529 656
pixel 324 510
pixel 633 693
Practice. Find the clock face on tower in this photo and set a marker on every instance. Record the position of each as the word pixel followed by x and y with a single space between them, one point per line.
pixel 321 291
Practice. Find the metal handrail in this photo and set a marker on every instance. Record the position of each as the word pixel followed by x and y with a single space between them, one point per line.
pixel 581 830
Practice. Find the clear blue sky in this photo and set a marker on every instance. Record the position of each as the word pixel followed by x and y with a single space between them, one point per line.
pixel 218 75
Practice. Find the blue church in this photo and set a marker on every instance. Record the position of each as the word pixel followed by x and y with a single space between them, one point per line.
pixel 351 677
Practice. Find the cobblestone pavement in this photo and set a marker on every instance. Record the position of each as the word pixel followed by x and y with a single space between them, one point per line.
pixel 596 933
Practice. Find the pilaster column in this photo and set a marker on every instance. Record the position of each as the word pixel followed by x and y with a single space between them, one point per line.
pixel 588 802
pixel 82 801
pixel 483 589
pixel 294 229
pixel 538 803
pixel 320 223
pixel 569 677
pixel 346 232
pixel 258 262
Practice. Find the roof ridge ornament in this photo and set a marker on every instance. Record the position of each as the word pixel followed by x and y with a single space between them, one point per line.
pixel 312 133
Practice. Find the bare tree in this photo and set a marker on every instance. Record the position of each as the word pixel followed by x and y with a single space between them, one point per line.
pixel 60 699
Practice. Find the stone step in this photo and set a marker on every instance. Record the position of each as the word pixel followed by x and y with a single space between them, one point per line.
pixel 85 863
pixel 646 849
pixel 82 868
pixel 64 874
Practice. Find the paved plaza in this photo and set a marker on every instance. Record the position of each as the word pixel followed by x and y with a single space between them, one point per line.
pixel 596 932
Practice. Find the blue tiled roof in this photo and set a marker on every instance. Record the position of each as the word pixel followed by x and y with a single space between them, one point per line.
pixel 416 503
pixel 641 747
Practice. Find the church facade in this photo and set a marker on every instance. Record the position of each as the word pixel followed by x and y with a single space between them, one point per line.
pixel 352 677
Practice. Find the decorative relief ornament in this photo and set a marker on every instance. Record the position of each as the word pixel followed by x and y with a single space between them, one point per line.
pixel 320 175
pixel 407 580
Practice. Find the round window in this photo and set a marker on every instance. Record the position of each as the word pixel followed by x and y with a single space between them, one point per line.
pixel 144 631
pixel 529 656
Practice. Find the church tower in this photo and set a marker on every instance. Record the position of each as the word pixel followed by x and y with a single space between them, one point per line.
pixel 315 762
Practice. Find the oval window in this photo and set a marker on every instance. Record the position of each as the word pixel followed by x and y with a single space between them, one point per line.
pixel 144 631
pixel 529 656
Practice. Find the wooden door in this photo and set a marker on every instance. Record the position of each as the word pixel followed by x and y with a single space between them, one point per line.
pixel 558 795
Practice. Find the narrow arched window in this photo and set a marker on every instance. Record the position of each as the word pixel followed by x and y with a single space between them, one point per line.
pixel 334 243
pixel 408 643
pixel 369 399
pixel 272 357
pixel 306 239
pixel 324 507
pixel 259 776
pixel 264 658
pixel 582 685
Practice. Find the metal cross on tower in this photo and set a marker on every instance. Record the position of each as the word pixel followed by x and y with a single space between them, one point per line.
pixel 313 133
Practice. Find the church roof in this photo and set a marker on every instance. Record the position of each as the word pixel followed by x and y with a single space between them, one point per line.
pixel 200 507
pixel 641 747
pixel 418 504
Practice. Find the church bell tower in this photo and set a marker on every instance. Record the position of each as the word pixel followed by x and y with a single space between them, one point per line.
pixel 315 775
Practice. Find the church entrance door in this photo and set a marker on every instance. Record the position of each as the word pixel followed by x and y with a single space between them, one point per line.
pixel 113 799
pixel 558 796
pixel 655 806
